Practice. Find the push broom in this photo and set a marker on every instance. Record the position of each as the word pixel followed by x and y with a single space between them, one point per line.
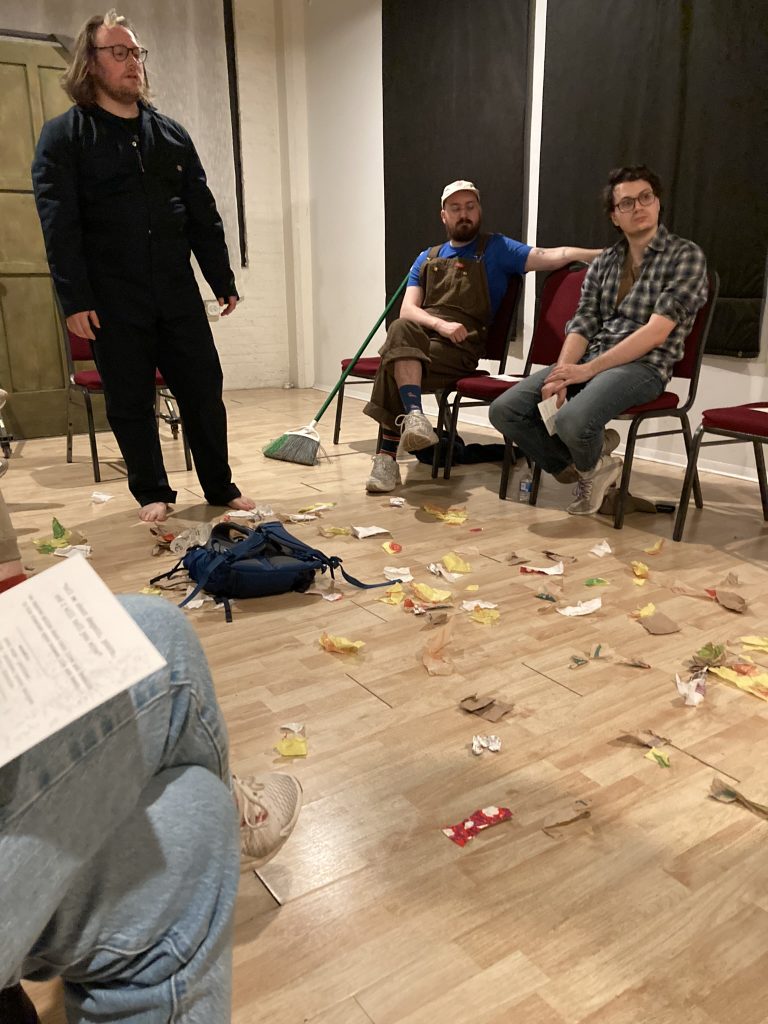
pixel 301 445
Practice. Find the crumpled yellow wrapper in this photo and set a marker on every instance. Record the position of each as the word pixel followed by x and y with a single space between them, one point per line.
pixel 654 549
pixel 393 595
pixel 755 643
pixel 472 588
pixel 756 684
pixel 645 611
pixel 452 516
pixel 485 616
pixel 430 595
pixel 455 563
pixel 659 756
pixel 340 644
pixel 640 569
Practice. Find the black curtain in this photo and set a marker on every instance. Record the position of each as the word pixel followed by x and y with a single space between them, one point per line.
pixel 455 77
pixel 679 85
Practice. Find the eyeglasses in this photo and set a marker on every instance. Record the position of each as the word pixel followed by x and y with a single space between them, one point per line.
pixel 627 204
pixel 120 52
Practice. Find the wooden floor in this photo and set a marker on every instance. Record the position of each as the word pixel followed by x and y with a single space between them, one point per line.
pixel 653 910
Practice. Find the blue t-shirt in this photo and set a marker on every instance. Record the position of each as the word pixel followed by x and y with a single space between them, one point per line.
pixel 503 257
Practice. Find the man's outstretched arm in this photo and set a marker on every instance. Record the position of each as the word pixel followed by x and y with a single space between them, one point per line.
pixel 561 256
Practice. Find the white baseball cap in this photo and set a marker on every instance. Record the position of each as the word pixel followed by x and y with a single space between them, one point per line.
pixel 458 186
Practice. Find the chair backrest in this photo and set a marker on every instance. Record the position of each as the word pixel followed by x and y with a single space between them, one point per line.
pixel 689 367
pixel 503 324
pixel 558 302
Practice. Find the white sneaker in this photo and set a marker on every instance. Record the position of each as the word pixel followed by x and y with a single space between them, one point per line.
pixel 385 475
pixel 416 432
pixel 570 474
pixel 591 487
pixel 268 806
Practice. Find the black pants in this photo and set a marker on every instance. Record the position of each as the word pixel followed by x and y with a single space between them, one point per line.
pixel 182 348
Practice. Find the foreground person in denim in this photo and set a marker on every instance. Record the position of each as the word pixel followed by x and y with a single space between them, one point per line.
pixel 119 851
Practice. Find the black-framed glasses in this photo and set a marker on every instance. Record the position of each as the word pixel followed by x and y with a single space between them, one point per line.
pixel 627 204
pixel 120 52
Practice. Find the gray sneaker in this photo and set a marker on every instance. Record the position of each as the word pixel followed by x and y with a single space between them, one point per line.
pixel 385 475
pixel 570 474
pixel 591 487
pixel 416 432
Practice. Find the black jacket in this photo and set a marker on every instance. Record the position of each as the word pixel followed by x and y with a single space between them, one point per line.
pixel 121 211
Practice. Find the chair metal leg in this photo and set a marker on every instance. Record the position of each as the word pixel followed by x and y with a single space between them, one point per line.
pixel 337 421
pixel 506 468
pixel 69 426
pixel 686 426
pixel 629 454
pixel 685 493
pixel 185 442
pixel 535 482
pixel 761 479
pixel 92 438
pixel 453 430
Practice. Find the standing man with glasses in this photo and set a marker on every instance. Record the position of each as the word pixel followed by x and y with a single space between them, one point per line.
pixel 123 202
pixel 638 303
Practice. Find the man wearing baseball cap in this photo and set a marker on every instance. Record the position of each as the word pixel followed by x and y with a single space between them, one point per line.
pixel 452 295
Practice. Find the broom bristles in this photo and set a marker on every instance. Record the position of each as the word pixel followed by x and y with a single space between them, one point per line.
pixel 300 446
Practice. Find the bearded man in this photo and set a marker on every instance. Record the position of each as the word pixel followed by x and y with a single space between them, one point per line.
pixel 451 297
pixel 123 202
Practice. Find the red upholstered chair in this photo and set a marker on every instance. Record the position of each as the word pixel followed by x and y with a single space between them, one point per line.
pixel 497 348
pixel 733 425
pixel 88 382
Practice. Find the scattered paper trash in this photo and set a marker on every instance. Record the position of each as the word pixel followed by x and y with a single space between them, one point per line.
pixel 391 547
pixel 655 622
pixel 514 559
pixel 192 537
pixel 439 570
pixel 661 757
pixel 293 740
pixel 60 538
pixel 692 690
pixel 554 570
pixel 582 607
pixel 319 506
pixel 455 563
pixel 335 531
pixel 151 591
pixel 752 794
pixel 471 588
pixel 755 643
pixel 644 738
pixel 393 595
pixel 640 569
pixel 452 516
pixel 744 676
pixel 339 644
pixel 545 595
pixel 490 743
pixel 299 517
pixel 396 502
pixel 489 708
pixel 728 599
pixel 467 829
pixel 655 548
pixel 710 654
pixel 601 549
pixel 400 573
pixel 485 616
pixel 74 550
pixel 101 497
pixel 361 532
pixel 597 581
pixel 430 595
pixel 554 557
pixel 474 602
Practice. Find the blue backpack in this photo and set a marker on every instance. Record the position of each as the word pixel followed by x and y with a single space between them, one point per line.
pixel 240 561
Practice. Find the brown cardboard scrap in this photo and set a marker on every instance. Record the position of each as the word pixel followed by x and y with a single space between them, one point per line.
pixel 489 708
pixel 752 794
pixel 659 624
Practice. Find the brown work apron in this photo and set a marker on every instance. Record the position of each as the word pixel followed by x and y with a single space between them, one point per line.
pixel 455 289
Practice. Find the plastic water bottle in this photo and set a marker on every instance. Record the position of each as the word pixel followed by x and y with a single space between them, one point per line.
pixel 525 488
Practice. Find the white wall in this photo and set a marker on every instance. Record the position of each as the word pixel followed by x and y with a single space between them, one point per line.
pixel 346 172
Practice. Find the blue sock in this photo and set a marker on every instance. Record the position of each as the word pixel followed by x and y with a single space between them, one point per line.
pixel 388 444
pixel 410 396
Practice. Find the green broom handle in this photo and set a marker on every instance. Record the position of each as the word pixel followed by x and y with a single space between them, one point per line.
pixel 363 347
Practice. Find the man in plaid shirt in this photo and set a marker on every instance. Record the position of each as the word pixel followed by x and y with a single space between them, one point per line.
pixel 638 303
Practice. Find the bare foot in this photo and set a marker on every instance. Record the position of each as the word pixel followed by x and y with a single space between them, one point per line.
pixel 242 504
pixel 155 512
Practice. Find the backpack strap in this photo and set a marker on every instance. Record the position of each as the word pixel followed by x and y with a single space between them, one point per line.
pixel 334 562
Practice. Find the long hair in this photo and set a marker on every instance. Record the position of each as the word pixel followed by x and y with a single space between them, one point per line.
pixel 77 81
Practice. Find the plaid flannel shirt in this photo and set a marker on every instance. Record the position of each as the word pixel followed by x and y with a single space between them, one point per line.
pixel 672 283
